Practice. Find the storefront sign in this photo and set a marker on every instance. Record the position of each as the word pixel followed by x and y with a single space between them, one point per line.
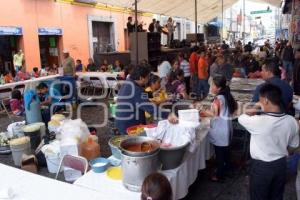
pixel 10 30
pixel 50 31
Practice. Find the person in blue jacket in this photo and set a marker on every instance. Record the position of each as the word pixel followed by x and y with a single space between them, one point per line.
pixel 270 71
pixel 133 101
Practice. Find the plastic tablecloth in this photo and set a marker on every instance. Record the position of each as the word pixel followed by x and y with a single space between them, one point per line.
pixel 29 186
pixel 180 178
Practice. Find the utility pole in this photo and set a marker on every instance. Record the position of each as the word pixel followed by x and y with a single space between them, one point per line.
pixel 136 35
pixel 231 33
pixel 244 22
pixel 196 22
pixel 222 20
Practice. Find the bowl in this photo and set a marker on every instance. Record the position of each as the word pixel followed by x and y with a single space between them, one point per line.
pixel 99 165
pixel 139 130
pixel 114 144
pixel 172 157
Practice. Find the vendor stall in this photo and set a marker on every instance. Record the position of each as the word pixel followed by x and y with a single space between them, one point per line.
pixel 180 178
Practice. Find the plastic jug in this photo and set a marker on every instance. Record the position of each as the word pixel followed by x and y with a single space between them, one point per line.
pixel 90 149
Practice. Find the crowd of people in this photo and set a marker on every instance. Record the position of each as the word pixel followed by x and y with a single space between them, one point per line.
pixel 206 69
pixel 209 69
pixel 69 67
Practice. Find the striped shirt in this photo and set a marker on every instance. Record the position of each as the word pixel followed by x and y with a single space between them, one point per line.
pixel 185 66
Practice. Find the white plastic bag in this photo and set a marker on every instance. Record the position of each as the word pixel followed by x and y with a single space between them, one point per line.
pixel 174 134
pixel 74 129
pixel 15 129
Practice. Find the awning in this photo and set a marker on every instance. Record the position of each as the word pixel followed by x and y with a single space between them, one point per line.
pixel 207 9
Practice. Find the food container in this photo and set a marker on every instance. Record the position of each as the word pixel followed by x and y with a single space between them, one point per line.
pixel 138 130
pixel 114 144
pixel 53 126
pixel 58 117
pixel 42 128
pixel 90 149
pixel 19 147
pixel 99 165
pixel 139 159
pixel 33 131
pixel 171 157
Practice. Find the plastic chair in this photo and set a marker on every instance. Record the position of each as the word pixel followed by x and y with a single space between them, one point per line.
pixel 97 84
pixel 5 99
pixel 73 162
pixel 112 83
pixel 84 86
pixel 20 87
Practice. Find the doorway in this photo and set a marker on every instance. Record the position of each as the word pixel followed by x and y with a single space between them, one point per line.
pixel 9 45
pixel 49 50
pixel 103 37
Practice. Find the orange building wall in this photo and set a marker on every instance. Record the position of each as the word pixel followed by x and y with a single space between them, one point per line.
pixel 32 14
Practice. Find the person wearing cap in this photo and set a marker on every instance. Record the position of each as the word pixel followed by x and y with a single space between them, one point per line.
pixel 68 64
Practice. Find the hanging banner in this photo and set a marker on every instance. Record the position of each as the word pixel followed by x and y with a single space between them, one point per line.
pixel 50 31
pixel 10 30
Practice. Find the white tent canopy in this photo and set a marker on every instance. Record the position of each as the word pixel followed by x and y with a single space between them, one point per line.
pixel 207 9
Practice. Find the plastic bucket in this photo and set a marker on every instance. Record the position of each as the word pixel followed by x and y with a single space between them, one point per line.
pixel 35 138
pixel 42 128
pixel 53 162
pixel 18 151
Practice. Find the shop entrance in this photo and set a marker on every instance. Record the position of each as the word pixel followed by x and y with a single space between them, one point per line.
pixel 49 50
pixel 103 37
pixel 9 45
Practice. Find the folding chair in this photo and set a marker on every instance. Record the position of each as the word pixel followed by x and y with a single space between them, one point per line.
pixel 20 87
pixel 5 98
pixel 97 84
pixel 112 83
pixel 78 163
pixel 85 87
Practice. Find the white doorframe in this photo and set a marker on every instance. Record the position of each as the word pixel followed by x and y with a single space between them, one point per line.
pixel 113 30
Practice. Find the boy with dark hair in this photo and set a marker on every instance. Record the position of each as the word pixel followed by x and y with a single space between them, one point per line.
pixel 273 135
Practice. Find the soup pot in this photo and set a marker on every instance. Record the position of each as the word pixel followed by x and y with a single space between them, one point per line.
pixel 139 159
pixel 139 146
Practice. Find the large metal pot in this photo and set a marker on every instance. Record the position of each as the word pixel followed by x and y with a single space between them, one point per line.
pixel 150 145
pixel 136 166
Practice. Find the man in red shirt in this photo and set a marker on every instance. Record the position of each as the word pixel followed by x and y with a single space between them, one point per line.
pixel 193 60
pixel 203 86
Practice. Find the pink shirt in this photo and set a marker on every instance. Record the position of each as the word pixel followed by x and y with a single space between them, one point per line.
pixel 23 75
pixel 16 106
